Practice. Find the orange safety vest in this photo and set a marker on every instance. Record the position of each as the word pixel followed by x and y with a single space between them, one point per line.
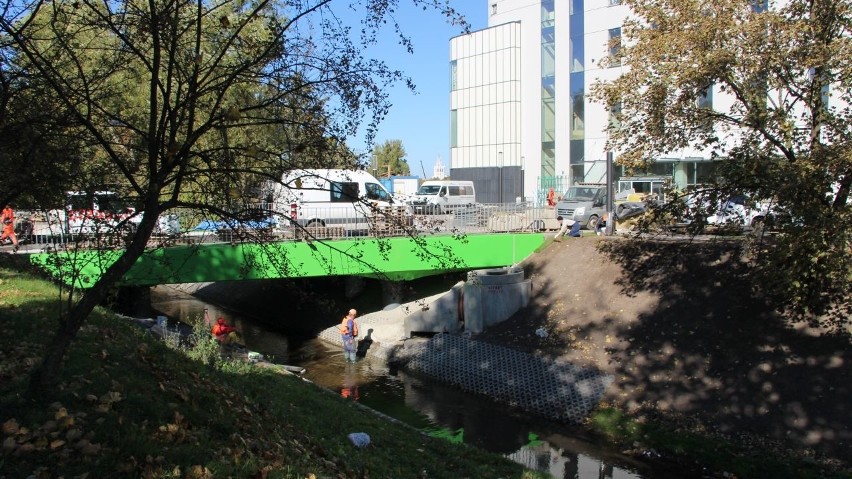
pixel 8 216
pixel 344 327
pixel 220 329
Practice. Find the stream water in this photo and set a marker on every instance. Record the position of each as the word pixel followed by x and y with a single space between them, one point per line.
pixel 439 410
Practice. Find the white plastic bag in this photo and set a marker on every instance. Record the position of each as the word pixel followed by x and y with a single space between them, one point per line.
pixel 359 439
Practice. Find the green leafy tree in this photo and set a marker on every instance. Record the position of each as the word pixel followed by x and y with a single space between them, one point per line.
pixel 40 157
pixel 194 104
pixel 779 129
pixel 389 159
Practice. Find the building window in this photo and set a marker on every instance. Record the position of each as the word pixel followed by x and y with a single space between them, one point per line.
pixel 493 9
pixel 454 129
pixel 576 7
pixel 548 15
pixel 453 74
pixel 615 47
pixel 548 119
pixel 578 174
pixel 576 28
pixel 548 92
pixel 548 53
pixel 577 153
pixel 705 98
pixel 615 116
pixel 578 122
pixel 759 6
pixel 613 3
pixel 704 102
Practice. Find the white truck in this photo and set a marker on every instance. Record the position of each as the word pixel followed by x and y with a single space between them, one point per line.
pixel 442 196
pixel 353 200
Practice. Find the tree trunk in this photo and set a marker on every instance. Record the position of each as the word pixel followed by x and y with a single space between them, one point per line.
pixel 44 377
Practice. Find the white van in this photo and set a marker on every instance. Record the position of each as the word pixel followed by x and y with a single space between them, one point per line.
pixel 351 199
pixel 440 196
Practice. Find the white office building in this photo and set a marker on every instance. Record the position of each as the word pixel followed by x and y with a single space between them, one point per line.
pixel 521 120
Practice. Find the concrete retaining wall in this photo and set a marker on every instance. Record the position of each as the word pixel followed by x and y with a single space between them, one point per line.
pixel 488 297
pixel 439 316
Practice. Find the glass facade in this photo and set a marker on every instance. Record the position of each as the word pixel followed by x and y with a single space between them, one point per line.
pixel 548 91
pixel 577 81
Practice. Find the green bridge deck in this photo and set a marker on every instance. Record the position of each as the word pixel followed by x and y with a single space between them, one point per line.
pixel 387 258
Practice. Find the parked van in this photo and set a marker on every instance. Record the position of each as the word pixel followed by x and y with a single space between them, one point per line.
pixel 441 196
pixel 584 203
pixel 352 199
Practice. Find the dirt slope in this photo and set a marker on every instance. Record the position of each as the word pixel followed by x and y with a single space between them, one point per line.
pixel 686 339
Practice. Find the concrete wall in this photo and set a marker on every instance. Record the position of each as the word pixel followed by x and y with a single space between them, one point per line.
pixel 440 316
pixel 488 297
pixel 493 295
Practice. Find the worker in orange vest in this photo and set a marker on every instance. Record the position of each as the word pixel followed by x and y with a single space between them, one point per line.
pixel 222 331
pixel 551 197
pixel 8 218
pixel 348 333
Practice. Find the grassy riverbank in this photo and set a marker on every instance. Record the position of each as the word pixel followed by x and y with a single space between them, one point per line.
pixel 129 406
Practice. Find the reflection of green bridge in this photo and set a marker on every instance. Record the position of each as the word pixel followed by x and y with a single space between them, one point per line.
pixel 387 258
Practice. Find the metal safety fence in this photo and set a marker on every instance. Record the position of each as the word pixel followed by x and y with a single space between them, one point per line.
pixel 181 226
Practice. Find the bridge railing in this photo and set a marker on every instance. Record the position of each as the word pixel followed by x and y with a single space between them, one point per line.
pixel 189 227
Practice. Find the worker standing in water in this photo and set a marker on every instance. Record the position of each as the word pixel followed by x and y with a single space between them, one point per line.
pixel 348 333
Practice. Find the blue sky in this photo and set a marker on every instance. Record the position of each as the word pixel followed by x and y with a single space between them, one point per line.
pixel 421 121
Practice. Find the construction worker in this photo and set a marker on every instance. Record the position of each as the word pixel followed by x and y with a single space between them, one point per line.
pixel 223 332
pixel 8 218
pixel 348 333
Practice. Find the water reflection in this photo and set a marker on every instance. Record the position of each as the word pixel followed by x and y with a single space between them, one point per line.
pixel 424 404
pixel 349 387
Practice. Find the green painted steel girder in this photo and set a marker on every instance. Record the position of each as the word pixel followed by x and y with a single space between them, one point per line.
pixel 386 258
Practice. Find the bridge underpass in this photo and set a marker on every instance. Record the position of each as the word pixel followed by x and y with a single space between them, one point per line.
pixel 391 259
